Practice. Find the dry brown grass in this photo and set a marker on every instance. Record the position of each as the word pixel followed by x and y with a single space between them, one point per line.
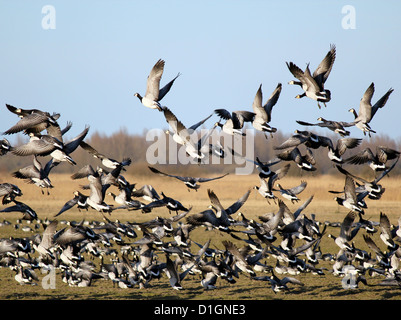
pixel 228 190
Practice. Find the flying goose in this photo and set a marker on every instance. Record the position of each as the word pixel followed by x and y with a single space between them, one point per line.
pixel 350 200
pixel 234 121
pixel 209 217
pixel 44 248
pixel 277 284
pixel 376 161
pixel 220 212
pixel 146 192
pixel 367 111
pixel 342 145
pixel 313 84
pixel 168 202
pixel 266 187
pixel 346 232
pixel 31 120
pixel 263 167
pixel 314 141
pixel 374 189
pixel 335 126
pixel 182 135
pixel 386 233
pixel 97 189
pixel 190 182
pixel 262 113
pixel 80 200
pixel 291 194
pixel 106 161
pixel 43 145
pixel 36 174
pixel 27 211
pixel 384 258
pixel 239 258
pixel 305 162
pixel 74 234
pixel 175 278
pixel 154 94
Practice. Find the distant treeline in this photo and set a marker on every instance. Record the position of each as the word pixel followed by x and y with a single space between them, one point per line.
pixel 121 145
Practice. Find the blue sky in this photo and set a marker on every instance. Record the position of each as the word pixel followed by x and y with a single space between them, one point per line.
pixel 100 53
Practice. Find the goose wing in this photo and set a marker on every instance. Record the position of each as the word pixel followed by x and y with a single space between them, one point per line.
pixel 73 144
pixel 272 101
pixel 27 122
pixel 347 143
pixel 153 81
pixel 381 102
pixel 198 124
pixel 298 189
pixel 365 106
pixel 210 179
pixel 154 170
pixel 163 91
pixel 323 70
pixel 361 157
pixel 238 204
pixel 34 146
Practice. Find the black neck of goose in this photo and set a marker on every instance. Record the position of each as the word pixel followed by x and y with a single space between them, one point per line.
pixel 139 96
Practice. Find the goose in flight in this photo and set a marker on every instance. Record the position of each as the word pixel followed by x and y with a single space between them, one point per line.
pixel 80 200
pixel 263 167
pixel 335 126
pixel 190 182
pixel 263 113
pixel 291 193
pixel 313 84
pixel 36 174
pixel 43 145
pixel 154 93
pixel 374 189
pixel 185 136
pixel 350 200
pixel 234 121
pixel 97 188
pixel 27 211
pixel 277 284
pixel 266 187
pixel 377 162
pixel 367 111
pixel 305 162
pixel 106 161
pixel 31 120
pixel 347 233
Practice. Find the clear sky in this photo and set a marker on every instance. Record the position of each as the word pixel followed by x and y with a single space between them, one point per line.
pixel 99 53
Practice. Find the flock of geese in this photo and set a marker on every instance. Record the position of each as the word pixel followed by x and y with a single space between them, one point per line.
pixel 273 248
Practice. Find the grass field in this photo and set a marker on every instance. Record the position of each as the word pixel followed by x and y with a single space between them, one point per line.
pixel 228 190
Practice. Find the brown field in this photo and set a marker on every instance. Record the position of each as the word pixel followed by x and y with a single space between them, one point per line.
pixel 229 189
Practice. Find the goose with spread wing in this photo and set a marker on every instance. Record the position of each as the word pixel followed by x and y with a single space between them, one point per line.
pixel 313 84
pixel 234 121
pixel 335 126
pixel 36 174
pixel 154 94
pixel 190 182
pixel 367 111
pixel 263 113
